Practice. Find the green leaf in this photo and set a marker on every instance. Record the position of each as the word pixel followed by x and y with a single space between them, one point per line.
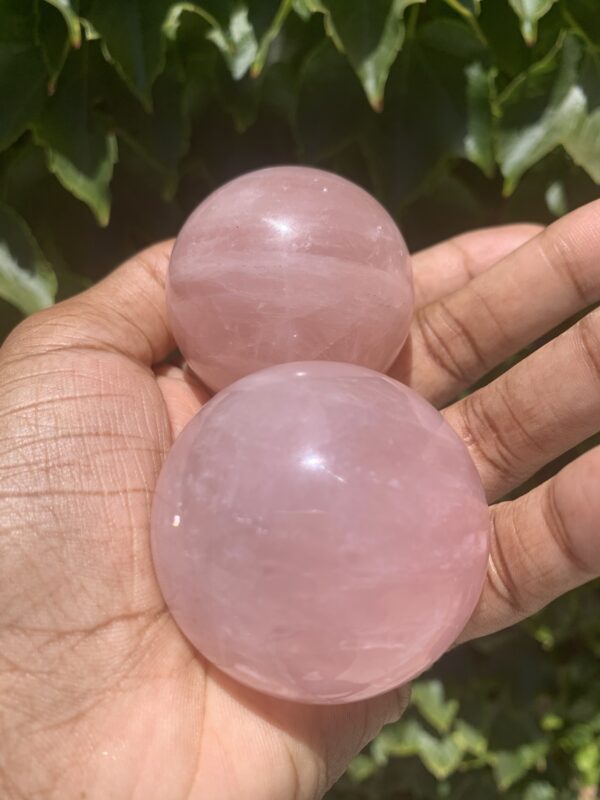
pixel 229 29
pixel 361 768
pixel 550 721
pixel 440 756
pixel 429 698
pixel 529 13
pixel 408 737
pixel 331 107
pixel 53 38
pixel 26 279
pixel 479 141
pixel 161 137
pixel 71 19
pixel 469 739
pixel 467 8
pixel 23 77
pixel 302 8
pixel 371 33
pixel 520 143
pixel 452 36
pixel 236 42
pixel 585 15
pixel 132 40
pixel 509 767
pixel 78 150
pixel 540 790
pixel 401 739
pixel 506 47
pixel 269 36
pixel 417 138
pixel 587 759
pixel 583 144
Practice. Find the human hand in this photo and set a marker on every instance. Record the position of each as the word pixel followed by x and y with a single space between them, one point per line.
pixel 100 694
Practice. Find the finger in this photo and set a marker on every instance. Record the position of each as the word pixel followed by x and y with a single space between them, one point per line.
pixel 125 312
pixel 542 407
pixel 183 394
pixel 450 265
pixel 460 338
pixel 543 544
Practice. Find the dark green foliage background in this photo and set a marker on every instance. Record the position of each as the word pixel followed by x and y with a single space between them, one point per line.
pixel 118 116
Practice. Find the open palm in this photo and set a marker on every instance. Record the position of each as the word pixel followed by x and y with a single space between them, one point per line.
pixel 100 694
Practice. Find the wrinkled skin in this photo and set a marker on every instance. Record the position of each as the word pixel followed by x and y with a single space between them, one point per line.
pixel 100 694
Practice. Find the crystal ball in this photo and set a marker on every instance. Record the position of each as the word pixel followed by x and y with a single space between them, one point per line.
pixel 288 264
pixel 319 532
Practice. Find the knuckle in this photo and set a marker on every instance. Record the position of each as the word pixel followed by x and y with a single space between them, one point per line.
pixel 449 343
pixel 561 253
pixel 558 530
pixel 486 438
pixel 500 578
pixel 588 331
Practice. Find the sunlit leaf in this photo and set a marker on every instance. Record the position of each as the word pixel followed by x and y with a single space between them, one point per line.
pixel 522 144
pixel 26 279
pixel 79 151
pixel 509 767
pixel 429 698
pixel 133 40
pixel 371 33
pixel 71 18
pixel 529 13
pixel 479 141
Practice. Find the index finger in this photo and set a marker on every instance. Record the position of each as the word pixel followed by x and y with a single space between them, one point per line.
pixel 450 265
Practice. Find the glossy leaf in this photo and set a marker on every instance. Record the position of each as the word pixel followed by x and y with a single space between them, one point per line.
pixel 529 13
pixel 417 138
pixel 429 698
pixel 23 76
pixel 467 8
pixel 229 30
pixel 469 739
pixel 585 15
pixel 331 109
pixel 53 38
pixel 26 279
pixel 371 33
pixel 79 151
pixel 303 8
pixel 479 141
pixel 453 36
pixel 509 767
pixel 521 145
pixel 71 17
pixel 269 36
pixel 540 790
pixel 441 756
pixel 160 137
pixel 583 144
pixel 133 40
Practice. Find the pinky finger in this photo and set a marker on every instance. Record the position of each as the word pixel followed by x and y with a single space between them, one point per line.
pixel 542 545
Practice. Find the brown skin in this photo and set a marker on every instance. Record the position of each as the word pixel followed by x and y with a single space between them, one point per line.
pixel 100 694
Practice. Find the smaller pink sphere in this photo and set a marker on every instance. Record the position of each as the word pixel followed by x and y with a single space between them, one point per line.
pixel 288 264
pixel 320 533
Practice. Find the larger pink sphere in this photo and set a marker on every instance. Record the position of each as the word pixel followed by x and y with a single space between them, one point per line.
pixel 288 264
pixel 320 533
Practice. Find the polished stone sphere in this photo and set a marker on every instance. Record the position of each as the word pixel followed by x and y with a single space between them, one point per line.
pixel 288 264
pixel 319 532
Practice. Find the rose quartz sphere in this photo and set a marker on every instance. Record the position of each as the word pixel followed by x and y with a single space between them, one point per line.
pixel 288 264
pixel 319 532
